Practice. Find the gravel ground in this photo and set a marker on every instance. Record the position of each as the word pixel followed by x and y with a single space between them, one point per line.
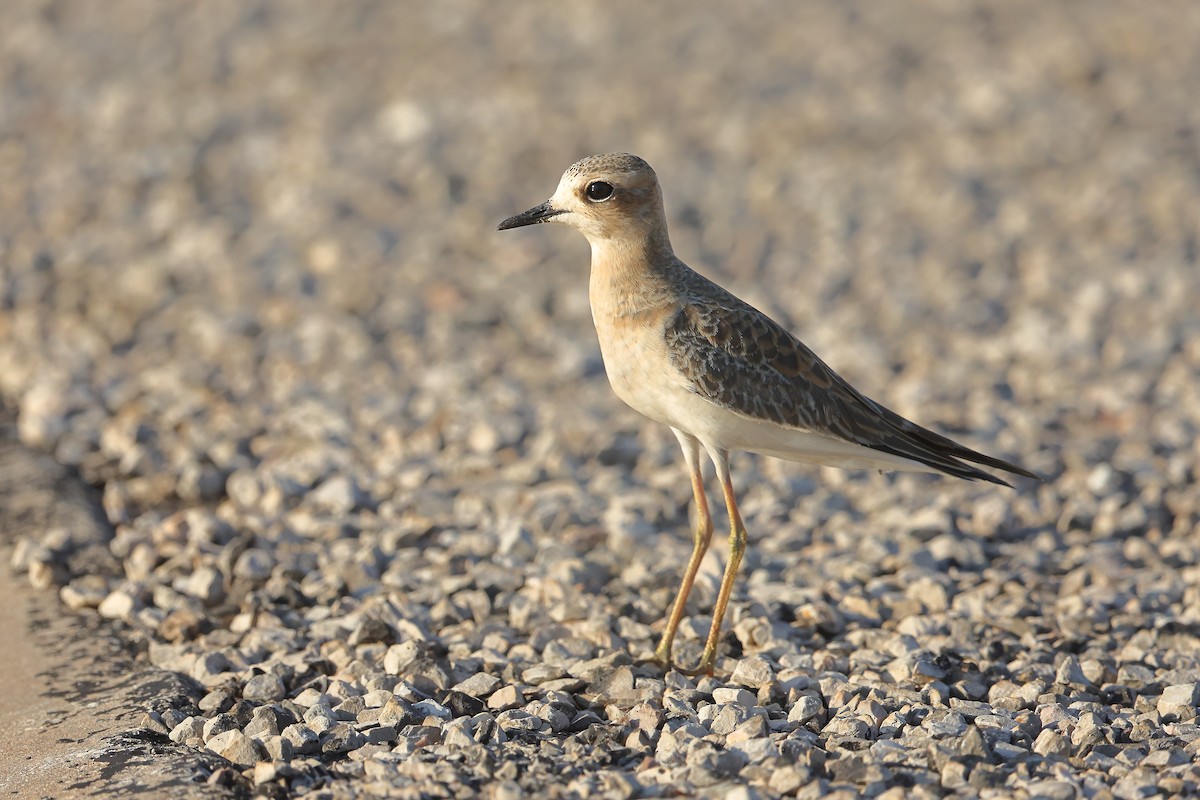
pixel 73 699
pixel 373 495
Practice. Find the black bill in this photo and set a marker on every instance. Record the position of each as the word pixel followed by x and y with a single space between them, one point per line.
pixel 531 217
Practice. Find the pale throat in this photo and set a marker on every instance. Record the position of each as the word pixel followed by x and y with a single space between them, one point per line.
pixel 630 275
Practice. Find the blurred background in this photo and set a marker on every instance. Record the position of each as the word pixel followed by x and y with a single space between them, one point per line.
pixel 208 203
pixel 249 265
pixel 179 181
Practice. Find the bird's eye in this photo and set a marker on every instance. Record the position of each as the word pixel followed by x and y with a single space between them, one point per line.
pixel 599 191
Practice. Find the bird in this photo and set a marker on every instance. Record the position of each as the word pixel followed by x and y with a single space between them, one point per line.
pixel 724 376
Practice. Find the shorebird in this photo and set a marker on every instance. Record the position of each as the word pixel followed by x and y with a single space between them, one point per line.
pixel 724 376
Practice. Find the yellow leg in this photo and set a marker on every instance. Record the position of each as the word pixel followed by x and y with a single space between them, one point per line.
pixel 737 546
pixel 701 538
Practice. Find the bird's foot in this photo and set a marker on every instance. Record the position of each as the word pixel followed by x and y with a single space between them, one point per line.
pixel 662 656
pixel 708 663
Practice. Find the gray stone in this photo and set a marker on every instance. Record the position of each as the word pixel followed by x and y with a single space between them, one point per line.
pixel 320 718
pixel 254 564
pixel 738 696
pixel 263 688
pixel 264 722
pixel 1179 700
pixel 219 724
pixel 189 731
pixel 205 584
pixel 480 684
pixel 753 672
pixel 1070 673
pixel 338 495
pixel 86 591
pixel 302 739
pixel 341 738
pixel 1051 743
pixel 805 708
pixel 118 604
pixel 235 746
pixel 400 656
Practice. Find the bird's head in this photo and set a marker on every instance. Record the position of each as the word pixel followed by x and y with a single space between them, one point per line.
pixel 608 197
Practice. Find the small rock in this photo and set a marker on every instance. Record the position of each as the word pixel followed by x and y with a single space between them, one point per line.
pixel 954 775
pixel 320 718
pixel 205 584
pixel 973 744
pixel 462 704
pixel 1166 757
pixel 263 724
pixel 787 779
pixel 806 708
pixel 516 540
pixel 753 672
pixel 614 685
pixel 950 725
pixel 505 697
pixel 518 720
pixel 244 488
pixel 371 630
pixel 211 668
pixel 1135 675
pixel 739 696
pixel 457 734
pixel 265 772
pixel 223 776
pixel 538 674
pixel 303 740
pixel 341 738
pixel 215 702
pixel 398 713
pixel 481 684
pixel 753 729
pixel 1179 700
pixel 380 734
pixel 1070 673
pixel 263 688
pixel 400 656
pixel 1050 743
pixel 1008 752
pixel 254 564
pixel 339 495
pixel 432 708
pixel 221 723
pixel 119 604
pixel 646 716
pixel 726 718
pixel 87 591
pixel 189 730
pixel 926 669
pixel 236 747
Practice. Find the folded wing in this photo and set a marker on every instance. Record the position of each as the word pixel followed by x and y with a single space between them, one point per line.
pixel 736 357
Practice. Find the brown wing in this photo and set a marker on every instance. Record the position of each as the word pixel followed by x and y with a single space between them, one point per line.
pixel 736 357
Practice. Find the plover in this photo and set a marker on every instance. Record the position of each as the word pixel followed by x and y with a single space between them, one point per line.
pixel 683 351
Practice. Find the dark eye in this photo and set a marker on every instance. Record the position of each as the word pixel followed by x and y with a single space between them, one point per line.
pixel 599 191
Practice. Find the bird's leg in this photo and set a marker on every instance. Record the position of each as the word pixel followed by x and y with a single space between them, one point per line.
pixel 701 537
pixel 737 546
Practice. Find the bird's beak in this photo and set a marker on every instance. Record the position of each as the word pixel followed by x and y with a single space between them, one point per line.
pixel 540 213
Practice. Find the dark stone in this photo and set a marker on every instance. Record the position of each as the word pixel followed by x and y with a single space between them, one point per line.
pixel 462 704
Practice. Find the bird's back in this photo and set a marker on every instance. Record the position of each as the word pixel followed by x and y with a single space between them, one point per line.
pixel 739 359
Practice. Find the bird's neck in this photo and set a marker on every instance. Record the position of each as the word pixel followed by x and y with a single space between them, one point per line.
pixel 631 274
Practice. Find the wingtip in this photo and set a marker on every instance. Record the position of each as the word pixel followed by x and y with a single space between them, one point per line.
pixel 1021 471
pixel 1015 470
